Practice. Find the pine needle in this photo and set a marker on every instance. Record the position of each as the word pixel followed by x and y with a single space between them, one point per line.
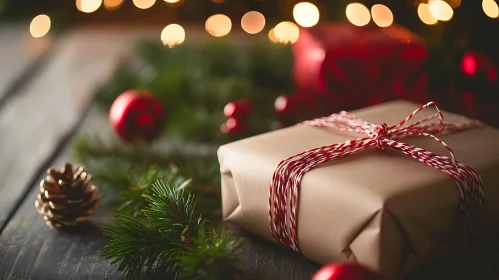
pixel 170 239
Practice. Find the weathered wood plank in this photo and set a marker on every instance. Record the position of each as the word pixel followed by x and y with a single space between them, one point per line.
pixel 39 117
pixel 20 52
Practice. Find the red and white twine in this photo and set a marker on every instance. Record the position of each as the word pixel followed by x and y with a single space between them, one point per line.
pixel 285 185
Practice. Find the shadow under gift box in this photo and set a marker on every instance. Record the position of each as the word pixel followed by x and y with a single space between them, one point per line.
pixel 383 209
pixel 354 65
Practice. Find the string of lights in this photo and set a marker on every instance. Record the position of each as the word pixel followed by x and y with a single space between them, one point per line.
pixel 305 14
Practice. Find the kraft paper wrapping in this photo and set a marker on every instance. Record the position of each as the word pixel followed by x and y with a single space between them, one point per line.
pixel 381 208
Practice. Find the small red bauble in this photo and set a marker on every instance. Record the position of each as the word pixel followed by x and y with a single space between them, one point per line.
pixel 137 115
pixel 345 271
pixel 232 126
pixel 474 63
pixel 237 108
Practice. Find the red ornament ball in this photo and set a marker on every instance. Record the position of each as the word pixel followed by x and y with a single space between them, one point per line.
pixel 137 115
pixel 345 271
pixel 239 108
pixel 474 64
pixel 232 126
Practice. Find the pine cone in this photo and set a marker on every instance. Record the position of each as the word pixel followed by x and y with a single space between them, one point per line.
pixel 66 198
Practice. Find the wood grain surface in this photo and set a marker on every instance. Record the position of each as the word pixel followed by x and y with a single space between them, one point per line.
pixel 37 119
pixel 19 56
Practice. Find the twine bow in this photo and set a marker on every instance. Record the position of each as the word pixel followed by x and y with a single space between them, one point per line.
pixel 286 180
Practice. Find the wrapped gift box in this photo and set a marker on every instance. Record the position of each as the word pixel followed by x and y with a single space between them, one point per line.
pixel 381 208
pixel 360 65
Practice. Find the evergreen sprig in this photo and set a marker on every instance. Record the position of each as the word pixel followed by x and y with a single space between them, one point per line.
pixel 194 82
pixel 124 172
pixel 171 239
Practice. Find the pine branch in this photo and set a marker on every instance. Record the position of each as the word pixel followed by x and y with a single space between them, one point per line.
pixel 124 172
pixel 171 239
pixel 172 211
pixel 201 79
pixel 213 256
pixel 136 246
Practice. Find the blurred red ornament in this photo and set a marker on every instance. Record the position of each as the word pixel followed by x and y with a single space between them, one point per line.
pixel 237 108
pixel 469 64
pixel 232 126
pixel 137 115
pixel 345 271
pixel 285 105
pixel 356 63
pixel 475 64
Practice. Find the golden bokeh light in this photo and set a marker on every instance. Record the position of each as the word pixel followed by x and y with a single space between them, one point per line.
pixel 272 36
pixel 218 25
pixel 286 32
pixel 440 10
pixel 112 5
pixel 382 15
pixel 358 14
pixel 172 1
pixel 306 14
pixel 454 3
pixel 425 15
pixel 88 6
pixel 253 22
pixel 172 35
pixel 40 26
pixel 144 4
pixel 490 8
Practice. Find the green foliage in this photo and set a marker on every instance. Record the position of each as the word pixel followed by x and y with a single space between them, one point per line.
pixel 171 241
pixel 195 82
pixel 212 256
pixel 158 229
pixel 125 171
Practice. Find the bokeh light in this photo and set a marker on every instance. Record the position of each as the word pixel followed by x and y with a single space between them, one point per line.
pixel 286 32
pixel 172 1
pixel 454 3
pixel 306 14
pixel 88 6
pixel 272 36
pixel 218 25
pixel 144 4
pixel 358 14
pixel 382 15
pixel 469 64
pixel 490 8
pixel 40 26
pixel 172 35
pixel 253 22
pixel 440 10
pixel 425 15
pixel 112 5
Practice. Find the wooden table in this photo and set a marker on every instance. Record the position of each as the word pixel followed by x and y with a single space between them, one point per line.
pixel 46 86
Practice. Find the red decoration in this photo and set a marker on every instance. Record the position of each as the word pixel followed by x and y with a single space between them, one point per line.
pixel 137 115
pixel 475 64
pixel 355 64
pixel 288 105
pixel 232 126
pixel 237 108
pixel 346 271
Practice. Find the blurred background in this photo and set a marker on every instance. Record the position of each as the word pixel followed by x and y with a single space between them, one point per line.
pixel 294 59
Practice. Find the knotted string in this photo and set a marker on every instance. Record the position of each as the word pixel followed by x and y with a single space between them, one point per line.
pixel 286 180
